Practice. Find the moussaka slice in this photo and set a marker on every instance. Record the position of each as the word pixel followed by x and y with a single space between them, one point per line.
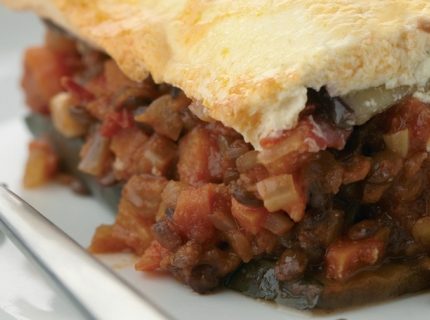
pixel 278 148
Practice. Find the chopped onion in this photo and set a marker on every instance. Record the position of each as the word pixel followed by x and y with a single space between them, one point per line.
pixel 97 153
pixel 278 192
pixel 63 122
pixel 398 142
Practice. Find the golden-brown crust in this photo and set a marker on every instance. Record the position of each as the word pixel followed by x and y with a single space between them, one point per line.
pixel 250 61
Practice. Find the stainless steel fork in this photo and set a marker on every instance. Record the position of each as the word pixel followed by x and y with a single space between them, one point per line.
pixel 95 290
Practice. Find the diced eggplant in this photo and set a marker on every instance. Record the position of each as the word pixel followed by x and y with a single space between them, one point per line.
pixel 257 279
pixel 367 102
pixel 356 107
pixel 68 150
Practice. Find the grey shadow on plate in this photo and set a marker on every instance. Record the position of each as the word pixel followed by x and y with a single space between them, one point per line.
pixel 2 240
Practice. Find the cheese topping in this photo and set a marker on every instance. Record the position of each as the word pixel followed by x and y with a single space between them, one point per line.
pixel 250 62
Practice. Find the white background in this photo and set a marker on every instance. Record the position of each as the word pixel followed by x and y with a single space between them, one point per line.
pixel 17 31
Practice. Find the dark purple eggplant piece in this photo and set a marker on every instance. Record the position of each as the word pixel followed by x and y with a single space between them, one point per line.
pixel 68 151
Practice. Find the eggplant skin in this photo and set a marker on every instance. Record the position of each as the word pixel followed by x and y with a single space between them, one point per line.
pixel 68 152
pixel 388 281
pixel 256 279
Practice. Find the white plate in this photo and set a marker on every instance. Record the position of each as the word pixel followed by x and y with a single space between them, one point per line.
pixel 24 294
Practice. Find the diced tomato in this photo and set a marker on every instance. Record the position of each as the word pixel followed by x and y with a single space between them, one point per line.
pixel 142 195
pixel 346 257
pixel 104 241
pixel 116 121
pixel 100 107
pixel 314 131
pixel 221 216
pixel 136 211
pixel 127 145
pixel 248 217
pixel 110 124
pixel 158 157
pixel 152 257
pixel 285 153
pixel 199 158
pixel 41 165
pixel 133 229
pixel 97 86
pixel 78 92
pixel 413 115
pixel 192 213
pixel 264 242
pixel 43 69
pixel 171 193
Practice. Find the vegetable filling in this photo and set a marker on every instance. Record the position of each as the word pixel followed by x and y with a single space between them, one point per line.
pixel 323 215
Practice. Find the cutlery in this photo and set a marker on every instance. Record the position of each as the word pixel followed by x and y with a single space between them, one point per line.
pixel 95 290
